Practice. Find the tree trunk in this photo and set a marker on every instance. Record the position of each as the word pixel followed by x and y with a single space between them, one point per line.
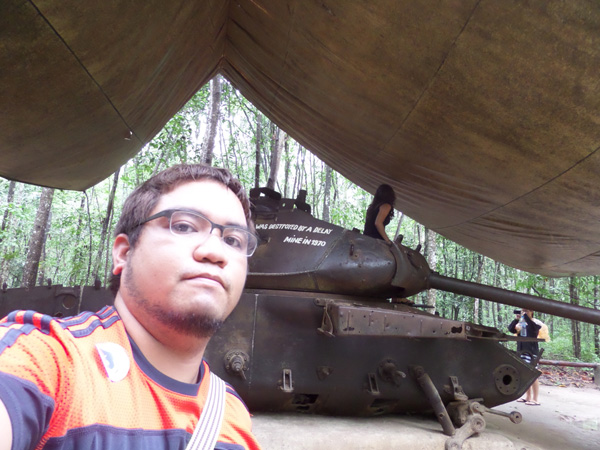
pixel 297 185
pixel 313 178
pixel 551 324
pixel 9 199
pixel 398 226
pixel 476 310
pixel 455 310
pixel 159 161
pixel 276 158
pixel 89 245
pixel 5 223
pixel 596 328
pixel 42 271
pixel 77 261
pixel 105 223
pixel 215 108
pixel 286 169
pixel 38 236
pixel 420 238
pixel 108 257
pixel 498 322
pixel 431 257
pixel 327 194
pixel 258 144
pixel 575 330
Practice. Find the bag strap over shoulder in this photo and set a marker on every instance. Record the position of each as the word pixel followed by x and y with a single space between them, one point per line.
pixel 208 426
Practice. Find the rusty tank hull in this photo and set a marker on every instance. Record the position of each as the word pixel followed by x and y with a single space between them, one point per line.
pixel 292 362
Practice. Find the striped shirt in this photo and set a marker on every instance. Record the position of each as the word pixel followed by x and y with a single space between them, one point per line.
pixel 81 382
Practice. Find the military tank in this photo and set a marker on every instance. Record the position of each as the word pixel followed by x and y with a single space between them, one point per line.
pixel 323 326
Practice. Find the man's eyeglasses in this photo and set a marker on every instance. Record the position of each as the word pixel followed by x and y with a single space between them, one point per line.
pixel 184 222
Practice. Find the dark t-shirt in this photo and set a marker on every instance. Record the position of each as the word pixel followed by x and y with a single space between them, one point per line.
pixel 370 228
pixel 532 330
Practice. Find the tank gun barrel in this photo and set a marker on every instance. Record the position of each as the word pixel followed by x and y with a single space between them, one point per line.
pixel 498 295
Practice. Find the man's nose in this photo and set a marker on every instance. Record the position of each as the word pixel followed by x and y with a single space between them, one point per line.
pixel 212 249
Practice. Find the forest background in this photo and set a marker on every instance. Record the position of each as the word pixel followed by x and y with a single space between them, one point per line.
pixel 65 237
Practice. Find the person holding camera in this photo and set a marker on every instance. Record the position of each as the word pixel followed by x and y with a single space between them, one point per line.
pixel 524 325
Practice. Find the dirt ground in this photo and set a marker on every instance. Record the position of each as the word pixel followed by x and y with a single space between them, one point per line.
pixel 568 417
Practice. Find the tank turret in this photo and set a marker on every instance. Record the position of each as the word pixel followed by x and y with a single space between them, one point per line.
pixel 301 253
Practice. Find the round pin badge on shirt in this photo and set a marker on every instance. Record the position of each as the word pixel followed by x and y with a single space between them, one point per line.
pixel 115 359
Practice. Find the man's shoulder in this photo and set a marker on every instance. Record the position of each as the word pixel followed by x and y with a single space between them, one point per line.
pixel 34 326
pixel 49 352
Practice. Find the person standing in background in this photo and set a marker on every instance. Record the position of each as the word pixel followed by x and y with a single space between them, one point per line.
pixel 524 325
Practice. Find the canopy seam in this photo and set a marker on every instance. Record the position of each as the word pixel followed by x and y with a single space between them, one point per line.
pixel 434 76
pixel 85 69
pixel 570 168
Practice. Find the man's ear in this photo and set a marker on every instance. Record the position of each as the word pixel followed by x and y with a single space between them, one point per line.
pixel 120 253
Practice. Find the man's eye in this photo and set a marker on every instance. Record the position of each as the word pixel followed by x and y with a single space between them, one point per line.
pixel 183 228
pixel 234 241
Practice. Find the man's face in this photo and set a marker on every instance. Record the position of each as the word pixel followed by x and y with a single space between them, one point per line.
pixel 169 280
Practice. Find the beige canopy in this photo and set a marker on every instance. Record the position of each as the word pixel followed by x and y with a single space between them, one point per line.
pixel 482 114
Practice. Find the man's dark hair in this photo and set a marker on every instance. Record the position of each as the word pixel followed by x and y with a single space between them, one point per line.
pixel 144 198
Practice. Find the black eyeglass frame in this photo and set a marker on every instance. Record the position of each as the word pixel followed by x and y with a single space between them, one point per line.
pixel 168 213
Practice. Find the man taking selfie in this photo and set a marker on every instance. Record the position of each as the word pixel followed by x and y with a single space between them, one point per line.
pixel 132 376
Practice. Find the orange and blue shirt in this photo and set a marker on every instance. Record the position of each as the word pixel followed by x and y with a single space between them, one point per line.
pixel 65 387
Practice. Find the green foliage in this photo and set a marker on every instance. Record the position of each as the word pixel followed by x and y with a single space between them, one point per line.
pixel 561 348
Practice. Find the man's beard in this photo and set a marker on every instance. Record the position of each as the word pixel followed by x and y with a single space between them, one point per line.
pixel 195 324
